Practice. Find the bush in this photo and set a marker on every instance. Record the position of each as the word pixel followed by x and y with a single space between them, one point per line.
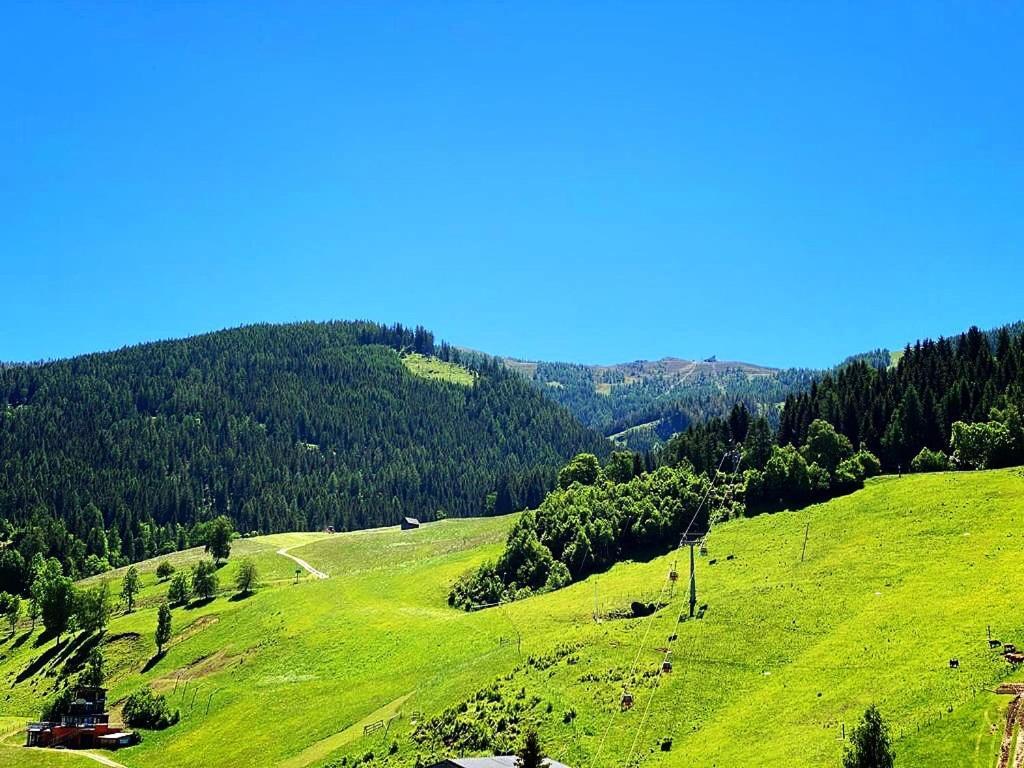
pixel 57 706
pixel 204 580
pixel 179 591
pixel 247 579
pixel 164 570
pixel 144 709
pixel 930 461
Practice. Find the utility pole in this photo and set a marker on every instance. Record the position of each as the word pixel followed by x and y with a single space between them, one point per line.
pixel 803 551
pixel 693 582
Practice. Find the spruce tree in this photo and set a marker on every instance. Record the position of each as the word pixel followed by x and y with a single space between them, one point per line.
pixel 531 755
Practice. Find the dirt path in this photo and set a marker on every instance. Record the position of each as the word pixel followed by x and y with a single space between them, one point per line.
pixel 318 574
pixel 1013 718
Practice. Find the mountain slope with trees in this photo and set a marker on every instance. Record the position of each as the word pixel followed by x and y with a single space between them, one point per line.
pixel 643 403
pixel 110 458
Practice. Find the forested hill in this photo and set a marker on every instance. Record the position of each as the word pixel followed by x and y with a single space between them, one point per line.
pixel 642 403
pixel 279 427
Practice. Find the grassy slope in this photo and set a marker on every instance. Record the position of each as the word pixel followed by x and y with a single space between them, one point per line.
pixel 440 370
pixel 897 579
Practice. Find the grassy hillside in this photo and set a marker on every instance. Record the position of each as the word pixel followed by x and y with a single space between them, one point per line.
pixel 896 580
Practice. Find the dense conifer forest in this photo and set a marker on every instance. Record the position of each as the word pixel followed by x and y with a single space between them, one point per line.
pixel 111 458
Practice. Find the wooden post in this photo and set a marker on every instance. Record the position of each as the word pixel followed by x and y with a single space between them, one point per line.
pixel 803 551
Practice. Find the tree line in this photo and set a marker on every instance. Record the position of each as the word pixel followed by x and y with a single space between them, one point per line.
pixel 111 458
pixel 946 404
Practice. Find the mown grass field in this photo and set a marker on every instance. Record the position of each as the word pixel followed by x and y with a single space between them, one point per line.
pixel 896 580
pixel 440 370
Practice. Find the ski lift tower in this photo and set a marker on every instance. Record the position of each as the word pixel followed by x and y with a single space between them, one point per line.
pixel 693 539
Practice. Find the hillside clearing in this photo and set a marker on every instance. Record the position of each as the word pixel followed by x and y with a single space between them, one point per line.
pixel 897 579
pixel 428 367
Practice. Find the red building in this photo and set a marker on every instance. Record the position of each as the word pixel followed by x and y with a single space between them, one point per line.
pixel 82 723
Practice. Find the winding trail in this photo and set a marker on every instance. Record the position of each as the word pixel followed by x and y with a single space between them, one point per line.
pixel 318 574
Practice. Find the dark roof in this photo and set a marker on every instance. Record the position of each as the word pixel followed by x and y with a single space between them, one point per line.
pixel 491 761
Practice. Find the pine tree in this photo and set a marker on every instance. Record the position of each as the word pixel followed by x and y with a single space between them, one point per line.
pixel 531 755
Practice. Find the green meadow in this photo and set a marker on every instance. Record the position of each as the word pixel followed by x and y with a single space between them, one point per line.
pixel 811 616
pixel 429 367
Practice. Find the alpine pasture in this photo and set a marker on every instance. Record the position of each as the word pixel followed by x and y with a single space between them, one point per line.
pixel 894 581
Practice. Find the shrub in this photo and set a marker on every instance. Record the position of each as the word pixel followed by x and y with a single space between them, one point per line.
pixel 179 591
pixel 164 570
pixel 930 461
pixel 248 579
pixel 144 709
pixel 204 580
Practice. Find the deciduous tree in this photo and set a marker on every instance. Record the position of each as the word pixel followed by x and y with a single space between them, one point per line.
pixel 163 627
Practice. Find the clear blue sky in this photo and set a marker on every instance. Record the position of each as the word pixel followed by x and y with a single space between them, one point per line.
pixel 782 183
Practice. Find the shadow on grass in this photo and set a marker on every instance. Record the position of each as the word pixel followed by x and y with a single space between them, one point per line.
pixel 239 596
pixel 54 654
pixel 44 637
pixel 154 660
pixel 199 603
pixel 21 640
pixel 79 652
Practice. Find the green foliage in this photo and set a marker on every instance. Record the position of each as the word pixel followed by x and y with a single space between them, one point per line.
pixel 979 445
pixel 164 570
pixel 826 447
pixel 930 461
pixel 10 609
pixel 621 467
pixel 870 744
pixel 95 669
pixel 144 709
pixel 93 608
pixel 130 586
pixel 218 538
pixel 204 580
pixel 179 590
pixel 291 427
pixel 55 595
pixel 163 626
pixel 57 705
pixel 584 469
pixel 584 528
pixel 531 755
pixel 895 412
pixel 247 579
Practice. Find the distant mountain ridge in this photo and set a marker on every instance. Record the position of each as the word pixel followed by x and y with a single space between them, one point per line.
pixel 641 403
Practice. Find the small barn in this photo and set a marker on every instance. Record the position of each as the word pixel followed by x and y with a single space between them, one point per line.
pixel 408 523
pixel 494 761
